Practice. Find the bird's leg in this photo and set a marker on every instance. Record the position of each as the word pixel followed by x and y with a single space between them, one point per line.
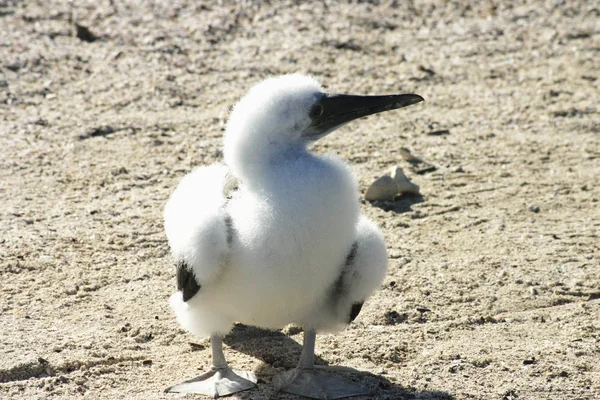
pixel 218 358
pixel 306 381
pixel 307 357
pixel 221 380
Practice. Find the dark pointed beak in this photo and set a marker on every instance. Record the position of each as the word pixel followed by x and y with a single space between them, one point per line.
pixel 332 111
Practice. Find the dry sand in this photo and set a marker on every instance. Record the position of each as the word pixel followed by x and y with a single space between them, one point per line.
pixel 494 283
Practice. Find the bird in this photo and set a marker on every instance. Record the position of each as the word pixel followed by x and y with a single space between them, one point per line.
pixel 273 235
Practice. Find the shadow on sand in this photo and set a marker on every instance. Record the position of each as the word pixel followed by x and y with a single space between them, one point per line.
pixel 402 204
pixel 277 350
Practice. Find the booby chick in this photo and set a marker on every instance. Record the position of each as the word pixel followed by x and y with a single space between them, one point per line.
pixel 274 236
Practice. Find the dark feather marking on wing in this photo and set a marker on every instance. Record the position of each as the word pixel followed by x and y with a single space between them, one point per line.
pixel 356 307
pixel 230 230
pixel 352 254
pixel 337 291
pixel 186 282
pixel 338 286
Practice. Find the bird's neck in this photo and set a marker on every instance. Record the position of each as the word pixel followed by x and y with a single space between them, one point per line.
pixel 259 168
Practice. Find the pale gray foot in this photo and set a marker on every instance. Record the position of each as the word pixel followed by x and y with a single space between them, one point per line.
pixel 306 381
pixel 317 384
pixel 220 381
pixel 217 383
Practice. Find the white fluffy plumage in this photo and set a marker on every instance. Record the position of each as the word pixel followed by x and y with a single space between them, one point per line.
pixel 275 252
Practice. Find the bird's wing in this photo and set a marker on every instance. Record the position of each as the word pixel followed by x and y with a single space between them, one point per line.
pixel 198 227
pixel 362 272
pixel 369 264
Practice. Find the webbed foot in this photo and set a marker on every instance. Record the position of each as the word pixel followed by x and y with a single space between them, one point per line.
pixel 217 383
pixel 309 382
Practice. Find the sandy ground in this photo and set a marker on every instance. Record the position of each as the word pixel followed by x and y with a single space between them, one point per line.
pixel 494 283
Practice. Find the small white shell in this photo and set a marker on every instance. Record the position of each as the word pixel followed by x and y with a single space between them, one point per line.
pixel 384 188
pixel 402 182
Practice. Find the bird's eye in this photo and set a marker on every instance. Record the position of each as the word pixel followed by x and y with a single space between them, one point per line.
pixel 316 111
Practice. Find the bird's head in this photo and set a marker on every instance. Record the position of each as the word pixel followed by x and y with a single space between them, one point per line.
pixel 280 115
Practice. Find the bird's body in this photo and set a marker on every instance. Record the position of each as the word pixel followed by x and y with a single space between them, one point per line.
pixel 287 248
pixel 288 245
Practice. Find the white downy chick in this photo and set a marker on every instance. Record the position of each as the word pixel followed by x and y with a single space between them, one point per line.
pixel 288 245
